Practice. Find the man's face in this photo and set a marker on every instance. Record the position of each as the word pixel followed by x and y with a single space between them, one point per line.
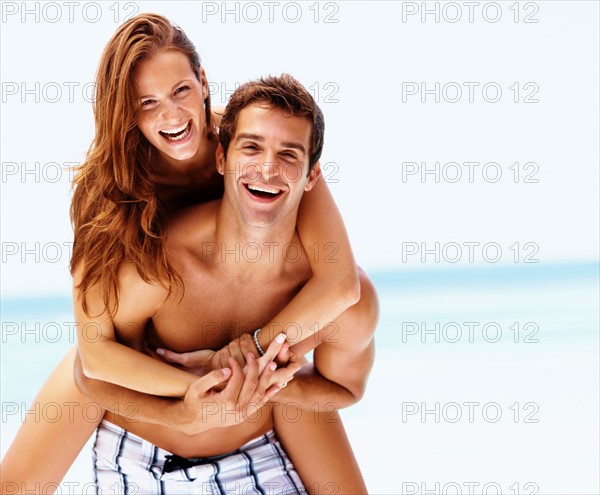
pixel 267 165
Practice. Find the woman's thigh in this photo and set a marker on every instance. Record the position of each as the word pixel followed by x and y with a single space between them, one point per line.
pixel 44 449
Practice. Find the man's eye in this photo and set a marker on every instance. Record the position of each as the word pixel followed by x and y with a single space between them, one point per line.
pixel 290 155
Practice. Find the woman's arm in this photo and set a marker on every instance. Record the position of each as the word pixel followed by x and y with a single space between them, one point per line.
pixel 334 285
pixel 244 393
pixel 103 358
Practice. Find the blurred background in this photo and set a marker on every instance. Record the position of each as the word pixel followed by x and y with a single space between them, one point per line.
pixel 462 149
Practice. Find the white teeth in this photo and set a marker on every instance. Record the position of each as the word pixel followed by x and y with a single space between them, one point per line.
pixel 178 130
pixel 178 138
pixel 263 189
pixel 178 134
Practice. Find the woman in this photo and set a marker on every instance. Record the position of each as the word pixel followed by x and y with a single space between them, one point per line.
pixel 132 179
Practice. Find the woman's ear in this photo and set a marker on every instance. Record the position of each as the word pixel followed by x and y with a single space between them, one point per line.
pixel 204 83
pixel 313 176
pixel 220 156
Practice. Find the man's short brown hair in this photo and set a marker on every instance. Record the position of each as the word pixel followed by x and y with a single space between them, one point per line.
pixel 283 92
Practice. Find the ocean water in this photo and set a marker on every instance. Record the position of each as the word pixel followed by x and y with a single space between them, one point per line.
pixel 486 380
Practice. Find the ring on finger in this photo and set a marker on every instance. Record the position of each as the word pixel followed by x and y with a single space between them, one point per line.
pixel 283 385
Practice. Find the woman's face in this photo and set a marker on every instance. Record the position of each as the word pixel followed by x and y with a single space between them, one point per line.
pixel 171 104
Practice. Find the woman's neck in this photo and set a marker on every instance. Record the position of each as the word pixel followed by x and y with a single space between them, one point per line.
pixel 168 171
pixel 182 183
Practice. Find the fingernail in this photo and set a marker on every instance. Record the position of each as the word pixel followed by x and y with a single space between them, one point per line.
pixel 249 356
pixel 160 351
pixel 226 371
pixel 272 366
pixel 280 339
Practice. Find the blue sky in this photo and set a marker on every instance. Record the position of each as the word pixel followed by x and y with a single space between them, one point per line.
pixel 454 137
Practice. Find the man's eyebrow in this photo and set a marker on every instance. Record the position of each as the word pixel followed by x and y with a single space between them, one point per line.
pixel 296 146
pixel 247 135
pixel 259 138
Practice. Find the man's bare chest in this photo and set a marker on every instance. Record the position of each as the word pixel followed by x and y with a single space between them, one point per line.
pixel 215 311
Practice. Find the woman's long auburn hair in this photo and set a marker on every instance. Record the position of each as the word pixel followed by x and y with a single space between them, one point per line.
pixel 115 213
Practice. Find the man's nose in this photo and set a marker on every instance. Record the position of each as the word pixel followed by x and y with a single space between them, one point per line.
pixel 270 167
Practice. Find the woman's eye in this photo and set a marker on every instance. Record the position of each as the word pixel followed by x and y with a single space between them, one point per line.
pixel 147 103
pixel 182 89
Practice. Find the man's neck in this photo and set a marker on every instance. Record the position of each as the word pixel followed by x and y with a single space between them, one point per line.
pixel 267 249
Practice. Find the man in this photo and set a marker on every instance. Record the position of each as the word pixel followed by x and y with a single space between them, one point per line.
pixel 240 261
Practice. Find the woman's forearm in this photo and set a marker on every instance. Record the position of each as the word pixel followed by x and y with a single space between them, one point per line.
pixel 134 406
pixel 118 364
pixel 104 358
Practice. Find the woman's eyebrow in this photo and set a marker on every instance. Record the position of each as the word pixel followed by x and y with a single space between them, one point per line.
pixel 181 82
pixel 172 88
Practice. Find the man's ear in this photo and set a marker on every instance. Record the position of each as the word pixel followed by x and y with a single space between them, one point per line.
pixel 313 176
pixel 220 156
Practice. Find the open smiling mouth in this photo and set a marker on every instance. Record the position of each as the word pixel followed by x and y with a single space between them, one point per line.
pixel 261 191
pixel 179 133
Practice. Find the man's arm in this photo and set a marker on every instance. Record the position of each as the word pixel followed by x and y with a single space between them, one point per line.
pixel 244 393
pixel 343 357
pixel 310 391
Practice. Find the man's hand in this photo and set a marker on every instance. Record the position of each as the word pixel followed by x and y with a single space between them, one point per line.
pixel 203 408
pixel 212 360
pixel 197 362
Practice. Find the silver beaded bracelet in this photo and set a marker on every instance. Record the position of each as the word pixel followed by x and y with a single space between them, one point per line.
pixel 258 347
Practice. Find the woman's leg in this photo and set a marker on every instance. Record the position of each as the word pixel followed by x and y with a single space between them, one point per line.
pixel 317 445
pixel 43 451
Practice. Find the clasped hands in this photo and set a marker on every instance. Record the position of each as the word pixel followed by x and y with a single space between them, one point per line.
pixel 235 383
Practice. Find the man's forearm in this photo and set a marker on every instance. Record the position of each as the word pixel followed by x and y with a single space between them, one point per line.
pixel 311 391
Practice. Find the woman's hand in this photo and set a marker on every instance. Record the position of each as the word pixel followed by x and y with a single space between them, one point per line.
pixel 203 361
